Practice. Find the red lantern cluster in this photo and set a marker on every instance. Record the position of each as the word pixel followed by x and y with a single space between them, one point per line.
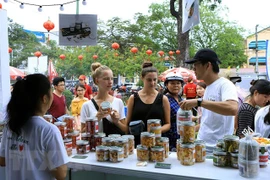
pixel 95 56
pixel 115 46
pixel 37 54
pixel 149 52
pixel 134 50
pixel 171 53
pixel 80 57
pixel 161 53
pixel 48 25
pixel 9 50
pixel 62 56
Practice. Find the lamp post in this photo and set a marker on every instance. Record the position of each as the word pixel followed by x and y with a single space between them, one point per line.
pixel 256 49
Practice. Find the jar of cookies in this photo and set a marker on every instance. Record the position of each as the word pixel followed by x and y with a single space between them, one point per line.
pixel 102 153
pixel 116 154
pixel 187 156
pixel 142 153
pixel 157 154
pixel 83 147
pixel 131 143
pixel 164 142
pixel 122 142
pixel 98 138
pixel 187 132
pixel 91 125
pixel 148 139
pixel 200 151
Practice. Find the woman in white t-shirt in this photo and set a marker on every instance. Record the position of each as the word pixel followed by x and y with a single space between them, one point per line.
pixel 110 121
pixel 31 147
pixel 262 121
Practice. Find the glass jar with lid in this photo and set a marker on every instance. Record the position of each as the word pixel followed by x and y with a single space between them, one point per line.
pixel 231 143
pixel 187 132
pixel 102 153
pixel 122 142
pixel 48 118
pixel 68 146
pixel 200 151
pixel 178 149
pixel 75 136
pixel 220 144
pixel 142 153
pixel 220 158
pixel 85 137
pixel 70 122
pixel 157 154
pixel 131 143
pixel 98 138
pixel 148 139
pixel 83 147
pixel 187 156
pixel 107 141
pixel 153 123
pixel 116 154
pixel 234 160
pixel 62 128
pixel 91 125
pixel 164 141
pixel 114 135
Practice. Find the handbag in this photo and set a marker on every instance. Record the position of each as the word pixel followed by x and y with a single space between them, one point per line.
pixel 108 126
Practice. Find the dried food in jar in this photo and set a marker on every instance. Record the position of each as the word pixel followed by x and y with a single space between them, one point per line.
pixel 70 122
pixel 220 144
pixel 68 146
pixel 75 136
pixel 231 143
pixel 91 125
pixel 85 137
pixel 220 158
pixel 142 153
pixel 106 106
pixel 98 138
pixel 178 149
pixel 83 147
pixel 147 139
pixel 249 169
pixel 107 141
pixel 164 141
pixel 102 153
pixel 157 154
pixel 187 154
pixel 131 143
pixel 187 132
pixel 116 154
pixel 234 160
pixel 200 151
pixel 153 123
pixel 156 130
pixel 122 142
pixel 48 118
pixel 62 128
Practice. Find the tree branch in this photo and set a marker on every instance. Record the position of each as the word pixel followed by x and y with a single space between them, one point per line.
pixel 172 9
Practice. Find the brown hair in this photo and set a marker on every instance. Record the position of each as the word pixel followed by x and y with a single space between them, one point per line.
pixel 202 84
pixel 97 70
pixel 147 67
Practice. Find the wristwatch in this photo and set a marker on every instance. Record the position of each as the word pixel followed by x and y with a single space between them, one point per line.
pixel 199 101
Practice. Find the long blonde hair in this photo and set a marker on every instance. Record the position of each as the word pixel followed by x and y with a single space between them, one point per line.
pixel 97 70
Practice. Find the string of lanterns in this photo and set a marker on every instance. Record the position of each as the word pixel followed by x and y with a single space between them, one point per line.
pixel 40 6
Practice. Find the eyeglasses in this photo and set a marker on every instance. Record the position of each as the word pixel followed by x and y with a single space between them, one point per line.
pixel 80 90
pixel 61 85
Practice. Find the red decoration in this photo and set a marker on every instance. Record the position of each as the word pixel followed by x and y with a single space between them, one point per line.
pixel 95 57
pixel 134 50
pixel 37 54
pixel 9 50
pixel 161 53
pixel 80 57
pixel 177 52
pixel 149 52
pixel 115 46
pixel 116 54
pixel 0 6
pixel 48 25
pixel 62 56
pixel 171 53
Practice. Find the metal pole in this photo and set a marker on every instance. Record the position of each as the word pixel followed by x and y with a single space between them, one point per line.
pixel 256 50
pixel 77 7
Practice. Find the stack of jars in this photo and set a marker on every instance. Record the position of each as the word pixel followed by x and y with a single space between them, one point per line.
pixel 226 153
pixel 189 151
pixel 91 129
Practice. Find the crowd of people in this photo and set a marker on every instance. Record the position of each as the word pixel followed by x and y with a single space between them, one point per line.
pixel 29 141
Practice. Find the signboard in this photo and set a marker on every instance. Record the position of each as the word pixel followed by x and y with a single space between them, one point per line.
pixel 39 35
pixel 190 14
pixel 267 59
pixel 37 65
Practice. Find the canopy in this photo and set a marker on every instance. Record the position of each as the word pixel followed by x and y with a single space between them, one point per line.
pixel 14 73
pixel 185 73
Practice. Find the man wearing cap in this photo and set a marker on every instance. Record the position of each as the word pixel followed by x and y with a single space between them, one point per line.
pixel 219 103
pixel 88 90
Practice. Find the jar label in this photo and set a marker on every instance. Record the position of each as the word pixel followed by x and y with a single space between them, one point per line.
pixel 184 118
pixel 263 158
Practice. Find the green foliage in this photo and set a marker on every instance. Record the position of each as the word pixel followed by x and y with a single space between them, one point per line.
pixel 69 97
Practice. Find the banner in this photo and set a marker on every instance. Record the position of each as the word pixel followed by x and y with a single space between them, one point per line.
pixel 77 29
pixel 39 35
pixel 51 71
pixel 190 14
pixel 267 59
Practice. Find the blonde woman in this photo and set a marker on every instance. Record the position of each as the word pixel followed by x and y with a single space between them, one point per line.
pixel 76 105
pixel 111 121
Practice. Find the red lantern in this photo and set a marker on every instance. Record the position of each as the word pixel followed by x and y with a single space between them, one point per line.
pixel 116 54
pixel 115 46
pixel 9 50
pixel 95 57
pixel 37 54
pixel 0 6
pixel 48 25
pixel 161 53
pixel 134 50
pixel 149 52
pixel 171 53
pixel 177 52
pixel 62 56
pixel 80 57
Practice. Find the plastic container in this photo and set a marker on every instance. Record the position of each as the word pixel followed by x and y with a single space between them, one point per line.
pixel 116 154
pixel 187 132
pixel 83 147
pixel 48 118
pixel 234 160
pixel 220 158
pixel 98 138
pixel 248 169
pixel 131 143
pixel 70 122
pixel 263 156
pixel 164 142
pixel 187 155
pixel 231 143
pixel 102 153
pixel 75 136
pixel 200 151
pixel 122 142
pixel 249 149
pixel 142 153
pixel 183 116
pixel 148 139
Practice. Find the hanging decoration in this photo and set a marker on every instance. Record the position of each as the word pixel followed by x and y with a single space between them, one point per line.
pixel 10 50
pixel 62 56
pixel 116 54
pixel 115 46
pixel 37 54
pixel 48 25
pixel 161 53
pixel 134 50
pixel 95 57
pixel 80 57
pixel 177 52
pixel 171 54
pixel 149 52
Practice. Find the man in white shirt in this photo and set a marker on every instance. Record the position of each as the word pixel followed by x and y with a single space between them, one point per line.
pixel 219 103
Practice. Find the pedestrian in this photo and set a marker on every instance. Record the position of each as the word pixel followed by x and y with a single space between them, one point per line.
pixel 31 147
pixel 219 103
pixel 88 90
pixel 262 122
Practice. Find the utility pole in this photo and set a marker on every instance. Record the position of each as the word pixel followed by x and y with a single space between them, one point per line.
pixel 256 49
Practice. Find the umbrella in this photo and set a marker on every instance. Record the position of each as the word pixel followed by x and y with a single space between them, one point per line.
pixel 14 73
pixel 185 73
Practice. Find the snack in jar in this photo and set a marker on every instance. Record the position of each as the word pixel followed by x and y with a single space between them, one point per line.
pixel 107 141
pixel 142 153
pixel 48 118
pixel 157 154
pixel 106 106
pixel 85 137
pixel 98 138
pixel 68 146
pixel 131 143
pixel 178 149
pixel 75 136
pixel 70 122
pixel 62 128
pixel 102 153
pixel 114 135
pixel 187 156
pixel 187 132
pixel 231 143
pixel 83 147
pixel 91 125
pixel 234 160
pixel 200 151
pixel 116 154
pixel 249 169
pixel 147 139
pixel 220 144
pixel 263 155
pixel 164 141
pixel 220 158
pixel 153 123
pixel 122 142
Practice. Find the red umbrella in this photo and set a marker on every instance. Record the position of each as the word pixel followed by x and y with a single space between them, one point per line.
pixel 14 73
pixel 185 73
